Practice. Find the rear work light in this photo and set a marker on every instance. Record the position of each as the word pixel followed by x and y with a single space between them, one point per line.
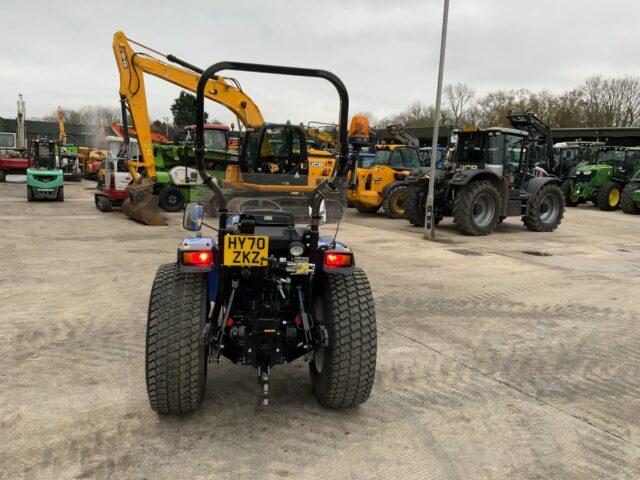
pixel 197 258
pixel 336 259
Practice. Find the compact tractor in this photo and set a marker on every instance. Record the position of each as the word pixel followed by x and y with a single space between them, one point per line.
pixel 44 177
pixel 268 288
pixel 603 183
pixel 492 177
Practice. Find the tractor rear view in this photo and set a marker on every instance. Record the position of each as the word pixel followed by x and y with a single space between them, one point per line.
pixel 492 177
pixel 268 288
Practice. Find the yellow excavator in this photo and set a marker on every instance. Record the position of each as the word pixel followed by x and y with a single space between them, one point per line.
pixel 142 205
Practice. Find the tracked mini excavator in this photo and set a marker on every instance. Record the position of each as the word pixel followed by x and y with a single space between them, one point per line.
pixel 142 204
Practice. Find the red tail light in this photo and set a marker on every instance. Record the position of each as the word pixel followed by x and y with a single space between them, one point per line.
pixel 199 258
pixel 335 259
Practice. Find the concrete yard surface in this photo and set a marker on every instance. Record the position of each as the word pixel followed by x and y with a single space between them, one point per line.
pixel 510 356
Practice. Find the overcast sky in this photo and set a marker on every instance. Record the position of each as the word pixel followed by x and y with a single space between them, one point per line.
pixel 386 52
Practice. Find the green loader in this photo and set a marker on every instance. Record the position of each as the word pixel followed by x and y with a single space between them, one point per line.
pixel 177 179
pixel 604 182
pixel 44 178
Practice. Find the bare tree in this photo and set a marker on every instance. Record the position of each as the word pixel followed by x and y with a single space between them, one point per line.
pixel 458 97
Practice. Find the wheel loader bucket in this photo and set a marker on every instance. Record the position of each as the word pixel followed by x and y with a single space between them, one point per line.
pixel 142 204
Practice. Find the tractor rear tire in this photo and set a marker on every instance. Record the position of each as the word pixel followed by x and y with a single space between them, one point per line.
pixel 363 209
pixel 176 357
pixel 609 196
pixel 60 196
pixel 545 210
pixel 342 373
pixel 30 196
pixel 626 200
pixel 414 205
pixel 569 200
pixel 394 202
pixel 476 208
pixel 171 199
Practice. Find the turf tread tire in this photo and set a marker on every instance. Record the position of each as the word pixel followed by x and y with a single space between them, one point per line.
pixel 176 359
pixel 349 362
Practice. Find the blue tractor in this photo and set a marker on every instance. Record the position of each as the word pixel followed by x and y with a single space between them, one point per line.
pixel 268 288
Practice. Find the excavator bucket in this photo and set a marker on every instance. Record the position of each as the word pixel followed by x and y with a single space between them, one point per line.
pixel 142 204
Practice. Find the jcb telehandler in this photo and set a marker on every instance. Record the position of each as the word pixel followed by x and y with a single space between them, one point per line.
pixel 268 288
pixel 380 185
pixel 492 177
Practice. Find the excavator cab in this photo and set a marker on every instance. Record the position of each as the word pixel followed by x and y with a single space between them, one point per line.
pixel 275 149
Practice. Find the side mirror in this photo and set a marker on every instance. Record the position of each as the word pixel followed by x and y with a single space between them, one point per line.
pixel 193 217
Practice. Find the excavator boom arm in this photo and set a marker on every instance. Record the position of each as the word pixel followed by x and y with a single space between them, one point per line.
pixel 133 65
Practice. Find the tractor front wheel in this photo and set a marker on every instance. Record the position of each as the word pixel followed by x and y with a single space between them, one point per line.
pixel 60 196
pixel 176 357
pixel 342 373
pixel 570 200
pixel 609 196
pixel 30 196
pixel 545 210
pixel 626 201
pixel 394 202
pixel 171 199
pixel 476 208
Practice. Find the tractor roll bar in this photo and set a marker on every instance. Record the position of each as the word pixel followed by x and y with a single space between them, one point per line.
pixel 274 69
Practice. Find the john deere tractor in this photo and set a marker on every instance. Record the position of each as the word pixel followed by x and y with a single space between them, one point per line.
pixel 603 182
pixel 492 177
pixel 44 177
pixel 567 156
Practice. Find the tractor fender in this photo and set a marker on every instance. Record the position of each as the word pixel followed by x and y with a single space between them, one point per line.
pixel 535 184
pixel 464 177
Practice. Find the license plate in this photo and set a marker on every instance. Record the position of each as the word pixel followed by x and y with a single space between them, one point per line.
pixel 246 250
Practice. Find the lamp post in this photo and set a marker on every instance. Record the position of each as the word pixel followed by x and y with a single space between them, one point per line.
pixel 429 221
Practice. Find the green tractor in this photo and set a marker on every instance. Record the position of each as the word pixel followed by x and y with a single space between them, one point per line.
pixel 44 178
pixel 567 156
pixel 68 161
pixel 177 181
pixel 603 182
